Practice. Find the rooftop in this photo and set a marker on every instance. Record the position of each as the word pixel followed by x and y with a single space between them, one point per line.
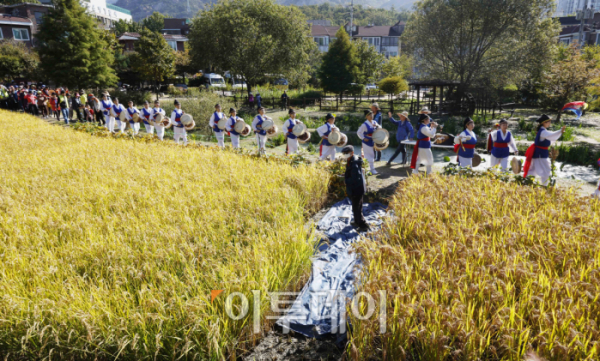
pixel 14 20
pixel 118 8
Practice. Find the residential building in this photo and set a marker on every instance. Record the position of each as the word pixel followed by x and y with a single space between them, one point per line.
pixel 385 39
pixel 569 7
pixel 106 13
pixel 320 22
pixel 177 26
pixel 177 42
pixel 34 12
pixel 16 28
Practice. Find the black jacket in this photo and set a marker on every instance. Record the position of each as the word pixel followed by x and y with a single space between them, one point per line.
pixel 355 177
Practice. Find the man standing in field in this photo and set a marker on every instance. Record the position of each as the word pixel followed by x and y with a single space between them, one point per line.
pixel 356 185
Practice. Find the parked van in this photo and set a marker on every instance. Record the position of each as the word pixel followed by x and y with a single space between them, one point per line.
pixel 213 80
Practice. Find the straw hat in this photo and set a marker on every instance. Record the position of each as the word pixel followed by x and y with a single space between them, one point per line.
pixel 304 138
pixel 136 117
pixel 272 131
pixel 187 120
pixel 476 160
pixel 516 165
pixel 425 110
pixel 299 129
pixel 334 137
pixel 222 123
pixel 381 146
pixel 343 141
pixel 267 124
pixel 239 126
pixel 190 126
pixel 381 136
pixel 404 114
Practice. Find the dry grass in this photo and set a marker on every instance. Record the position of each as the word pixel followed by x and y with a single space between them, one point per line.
pixel 109 248
pixel 478 269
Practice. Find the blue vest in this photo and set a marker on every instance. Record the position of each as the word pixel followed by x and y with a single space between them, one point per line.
pixel 501 152
pixel 291 135
pixel 156 112
pixel 216 127
pixel 467 153
pixel 423 143
pixel 178 114
pixel 117 109
pixel 368 135
pixel 260 121
pixel 106 107
pixel 147 114
pixel 325 141
pixel 233 121
pixel 541 153
pixel 131 113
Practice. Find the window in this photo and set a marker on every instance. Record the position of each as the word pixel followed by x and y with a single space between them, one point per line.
pixel 1 35
pixel 173 44
pixel 389 41
pixel 372 41
pixel 39 17
pixel 172 31
pixel 21 34
pixel 565 41
pixel 321 40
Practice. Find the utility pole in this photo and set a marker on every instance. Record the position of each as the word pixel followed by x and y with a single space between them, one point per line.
pixel 351 18
pixel 583 14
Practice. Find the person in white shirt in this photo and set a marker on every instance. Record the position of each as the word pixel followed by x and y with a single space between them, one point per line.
pixel 502 144
pixel 213 123
pixel 107 105
pixel 327 149
pixel 261 135
pixel 179 133
pixel 235 136
pixel 131 110
pixel 422 152
pixel 537 158
pixel 118 109
pixel 365 133
pixel 160 129
pixel 146 115
pixel 596 193
pixel 288 127
pixel 465 144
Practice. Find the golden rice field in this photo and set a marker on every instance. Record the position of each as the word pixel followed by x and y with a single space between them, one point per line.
pixel 479 269
pixel 109 248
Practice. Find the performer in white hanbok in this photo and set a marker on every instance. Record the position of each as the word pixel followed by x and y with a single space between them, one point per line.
pixel 213 123
pixel 464 144
pixel 365 133
pixel 502 144
pixel 261 135
pixel 118 109
pixel 131 110
pixel 422 151
pixel 288 127
pixel 146 115
pixel 327 150
pixel 179 133
pixel 160 129
pixel 107 105
pixel 235 136
pixel 537 160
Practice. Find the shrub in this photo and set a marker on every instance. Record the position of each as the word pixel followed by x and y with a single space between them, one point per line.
pixel 393 85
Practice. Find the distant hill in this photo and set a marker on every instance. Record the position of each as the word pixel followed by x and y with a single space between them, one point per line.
pixel 177 8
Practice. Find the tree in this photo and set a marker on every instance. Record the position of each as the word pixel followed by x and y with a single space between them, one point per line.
pixel 393 85
pixel 16 60
pixel 154 59
pixel 398 66
pixel 370 62
pixel 154 22
pixel 121 26
pixel 73 50
pixel 481 40
pixel 340 64
pixel 569 78
pixel 250 39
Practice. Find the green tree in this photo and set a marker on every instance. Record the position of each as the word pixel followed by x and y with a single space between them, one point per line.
pixel 121 26
pixel 154 22
pixel 480 41
pixel 393 85
pixel 154 59
pixel 398 66
pixel 370 62
pixel 16 60
pixel 73 50
pixel 251 39
pixel 340 65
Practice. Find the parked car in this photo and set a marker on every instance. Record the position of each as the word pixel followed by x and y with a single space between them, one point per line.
pixel 238 84
pixel 371 86
pixel 281 81
pixel 214 80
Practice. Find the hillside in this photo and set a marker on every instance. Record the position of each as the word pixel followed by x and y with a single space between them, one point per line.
pixel 177 8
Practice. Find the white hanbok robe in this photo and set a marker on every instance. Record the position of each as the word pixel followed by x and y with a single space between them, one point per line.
pixel 368 151
pixel 542 167
pixel 292 144
pixel 219 135
pixel 464 136
pixel 424 155
pixel 327 151
pixel 160 129
pixel 134 126
pixel 512 145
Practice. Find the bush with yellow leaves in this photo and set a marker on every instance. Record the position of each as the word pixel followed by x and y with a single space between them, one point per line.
pixel 110 248
pixel 483 270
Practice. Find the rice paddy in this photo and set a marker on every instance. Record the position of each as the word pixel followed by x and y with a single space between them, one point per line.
pixel 109 248
pixel 483 270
